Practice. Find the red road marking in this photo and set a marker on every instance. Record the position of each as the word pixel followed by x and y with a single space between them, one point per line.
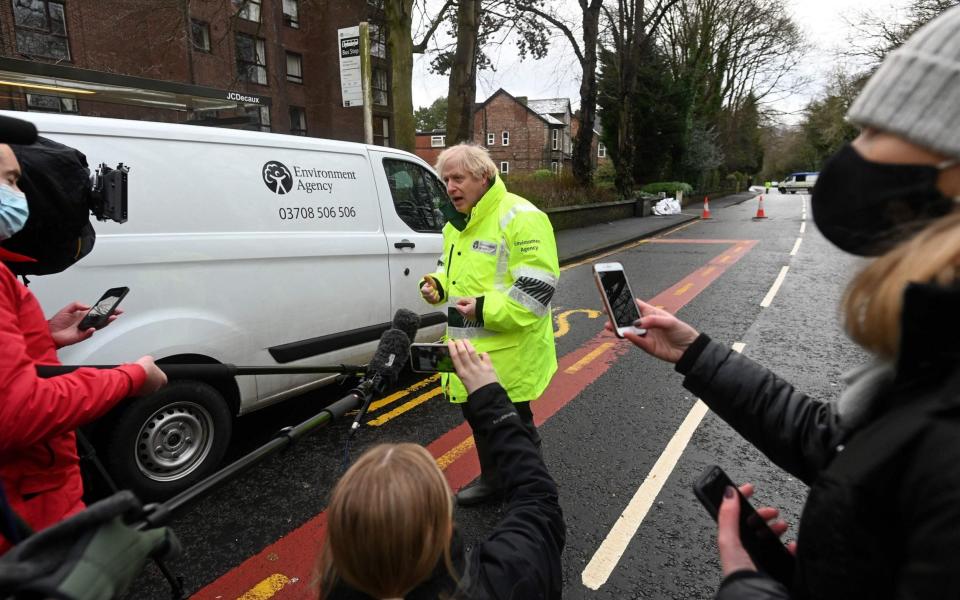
pixel 295 554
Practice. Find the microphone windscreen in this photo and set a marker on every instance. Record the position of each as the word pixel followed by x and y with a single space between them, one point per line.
pixel 17 131
pixel 407 321
pixel 392 353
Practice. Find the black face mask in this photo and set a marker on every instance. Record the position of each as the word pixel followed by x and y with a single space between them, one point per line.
pixel 866 207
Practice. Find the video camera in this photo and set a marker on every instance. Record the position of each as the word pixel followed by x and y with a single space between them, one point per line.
pixel 109 194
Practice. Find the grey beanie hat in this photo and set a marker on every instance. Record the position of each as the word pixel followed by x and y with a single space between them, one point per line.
pixel 916 91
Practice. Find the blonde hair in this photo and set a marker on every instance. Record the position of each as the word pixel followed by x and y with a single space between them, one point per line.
pixel 472 158
pixel 873 302
pixel 389 521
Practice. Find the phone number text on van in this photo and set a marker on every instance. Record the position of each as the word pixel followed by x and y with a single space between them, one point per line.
pixel 318 212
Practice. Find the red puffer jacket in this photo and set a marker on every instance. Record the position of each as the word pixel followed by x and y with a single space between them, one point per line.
pixel 39 467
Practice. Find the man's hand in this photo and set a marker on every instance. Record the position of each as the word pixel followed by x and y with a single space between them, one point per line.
pixel 667 337
pixel 474 371
pixel 156 378
pixel 429 291
pixel 733 556
pixel 468 308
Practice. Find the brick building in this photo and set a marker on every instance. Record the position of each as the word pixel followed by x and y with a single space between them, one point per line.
pixel 270 65
pixel 521 135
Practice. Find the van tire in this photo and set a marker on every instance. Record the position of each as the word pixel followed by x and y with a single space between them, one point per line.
pixel 782 190
pixel 163 443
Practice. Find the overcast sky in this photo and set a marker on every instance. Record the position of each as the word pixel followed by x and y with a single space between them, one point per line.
pixel 558 75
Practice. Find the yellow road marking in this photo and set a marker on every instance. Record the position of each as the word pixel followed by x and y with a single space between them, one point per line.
pixel 266 588
pixel 454 453
pixel 377 405
pixel 737 249
pixel 563 323
pixel 725 258
pixel 588 358
pixel 405 407
pixel 707 271
pixel 683 290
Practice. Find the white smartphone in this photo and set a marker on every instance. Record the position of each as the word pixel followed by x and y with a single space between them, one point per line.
pixel 617 298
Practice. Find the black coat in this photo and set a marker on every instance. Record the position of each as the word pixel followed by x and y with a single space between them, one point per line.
pixel 520 559
pixel 882 519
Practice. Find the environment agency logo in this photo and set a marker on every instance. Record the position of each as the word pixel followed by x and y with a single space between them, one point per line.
pixel 277 177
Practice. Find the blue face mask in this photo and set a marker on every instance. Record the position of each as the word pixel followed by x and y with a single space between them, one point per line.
pixel 13 211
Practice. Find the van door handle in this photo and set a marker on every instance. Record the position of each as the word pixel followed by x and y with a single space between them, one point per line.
pixel 404 244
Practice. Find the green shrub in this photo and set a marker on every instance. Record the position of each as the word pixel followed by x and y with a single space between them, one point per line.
pixel 543 175
pixel 605 176
pixel 670 188
pixel 556 191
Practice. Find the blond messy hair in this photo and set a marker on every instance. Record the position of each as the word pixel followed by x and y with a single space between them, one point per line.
pixel 389 521
pixel 873 303
pixel 472 158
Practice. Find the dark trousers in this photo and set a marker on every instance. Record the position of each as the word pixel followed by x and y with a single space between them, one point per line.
pixel 488 468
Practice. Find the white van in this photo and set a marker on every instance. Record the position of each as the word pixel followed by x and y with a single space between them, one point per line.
pixel 244 248
pixel 798 182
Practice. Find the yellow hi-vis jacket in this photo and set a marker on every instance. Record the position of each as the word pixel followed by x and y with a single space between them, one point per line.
pixel 506 258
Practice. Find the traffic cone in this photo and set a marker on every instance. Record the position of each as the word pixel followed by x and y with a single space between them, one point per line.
pixel 760 213
pixel 706 208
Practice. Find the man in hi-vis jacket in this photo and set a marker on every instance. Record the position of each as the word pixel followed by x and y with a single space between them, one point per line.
pixel 496 277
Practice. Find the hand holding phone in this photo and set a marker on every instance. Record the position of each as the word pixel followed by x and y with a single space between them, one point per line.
pixel 99 315
pixel 618 298
pixel 761 543
pixel 431 358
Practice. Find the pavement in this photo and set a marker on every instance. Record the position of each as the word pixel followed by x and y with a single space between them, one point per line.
pixel 582 242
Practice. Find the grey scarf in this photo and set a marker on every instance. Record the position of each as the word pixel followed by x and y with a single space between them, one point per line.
pixel 856 403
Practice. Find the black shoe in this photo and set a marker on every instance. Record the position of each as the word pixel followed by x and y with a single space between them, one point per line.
pixel 479 493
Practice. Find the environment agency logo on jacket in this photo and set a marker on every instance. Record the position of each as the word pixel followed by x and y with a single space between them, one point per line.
pixel 277 177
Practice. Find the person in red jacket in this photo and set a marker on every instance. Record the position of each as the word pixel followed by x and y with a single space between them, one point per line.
pixel 39 466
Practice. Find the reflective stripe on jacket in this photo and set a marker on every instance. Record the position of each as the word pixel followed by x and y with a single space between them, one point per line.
pixel 506 257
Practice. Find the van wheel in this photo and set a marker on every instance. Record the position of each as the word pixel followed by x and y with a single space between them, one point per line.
pixel 782 190
pixel 166 442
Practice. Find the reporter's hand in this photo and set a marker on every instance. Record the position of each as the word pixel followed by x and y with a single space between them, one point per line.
pixel 733 556
pixel 429 292
pixel 63 325
pixel 156 378
pixel 473 370
pixel 667 337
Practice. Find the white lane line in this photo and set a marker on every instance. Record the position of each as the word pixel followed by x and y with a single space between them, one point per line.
pixel 607 556
pixel 768 299
pixel 803 227
pixel 796 247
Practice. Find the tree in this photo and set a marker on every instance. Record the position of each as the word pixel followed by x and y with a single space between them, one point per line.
pixel 399 23
pixel 873 36
pixel 431 117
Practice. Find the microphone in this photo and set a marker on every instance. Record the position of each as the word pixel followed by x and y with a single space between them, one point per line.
pixel 384 369
pixel 407 321
pixel 17 131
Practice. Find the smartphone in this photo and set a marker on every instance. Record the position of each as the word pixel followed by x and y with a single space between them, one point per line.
pixel 761 543
pixel 431 358
pixel 617 297
pixel 98 316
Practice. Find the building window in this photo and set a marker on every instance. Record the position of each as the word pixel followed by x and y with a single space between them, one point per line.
pixel 248 9
pixel 555 167
pixel 41 28
pixel 294 67
pixel 251 59
pixel 505 139
pixel 491 139
pixel 601 150
pixel 200 33
pixel 380 87
pixel 378 41
pixel 291 13
pixel 438 141
pixel 48 103
pixel 504 167
pixel 259 118
pixel 555 135
pixel 298 120
pixel 381 135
